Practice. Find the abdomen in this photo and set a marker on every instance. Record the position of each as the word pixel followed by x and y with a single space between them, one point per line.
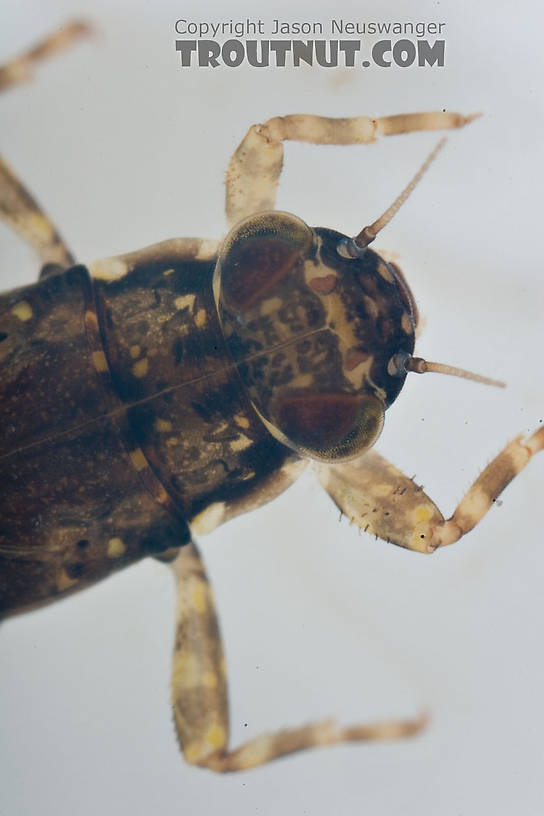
pixel 74 505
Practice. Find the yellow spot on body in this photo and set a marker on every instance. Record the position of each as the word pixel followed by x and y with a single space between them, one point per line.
pixel 416 542
pixel 65 582
pixel 162 495
pixel 135 351
pixel 240 444
pixel 198 597
pixel 138 459
pixel 196 748
pixel 185 671
pixel 422 514
pixel 99 361
pixel 185 302
pixel 91 320
pixel 216 736
pixel 209 680
pixel 22 310
pixel 241 420
pixel 163 425
pixel 380 490
pixel 384 271
pixel 207 249
pixel 108 269
pixel 303 380
pixel 172 440
pixel 116 548
pixel 140 368
pixel 422 530
pixel 200 318
pixel 406 323
pixel 39 223
pixel 208 519
pixel 168 272
pixel 249 475
pixel 271 305
pixel 192 752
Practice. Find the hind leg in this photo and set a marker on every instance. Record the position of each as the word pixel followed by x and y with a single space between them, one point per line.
pixel 200 697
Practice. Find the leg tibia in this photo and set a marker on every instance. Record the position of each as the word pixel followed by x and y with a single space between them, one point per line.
pixel 486 488
pixel 290 740
pixel 199 686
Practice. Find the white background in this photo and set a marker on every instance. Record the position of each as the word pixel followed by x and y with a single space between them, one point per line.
pixel 123 149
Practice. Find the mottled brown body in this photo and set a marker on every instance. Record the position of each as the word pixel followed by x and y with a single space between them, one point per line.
pixel 122 421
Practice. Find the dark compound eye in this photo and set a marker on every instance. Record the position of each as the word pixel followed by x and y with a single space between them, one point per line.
pixel 328 427
pixel 256 255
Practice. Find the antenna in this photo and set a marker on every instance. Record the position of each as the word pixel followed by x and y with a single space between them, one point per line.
pixel 367 234
pixel 420 366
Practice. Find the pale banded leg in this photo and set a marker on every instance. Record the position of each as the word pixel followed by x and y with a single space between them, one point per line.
pixel 165 253
pixel 199 690
pixel 20 68
pixel 23 214
pixel 381 500
pixel 17 207
pixel 255 167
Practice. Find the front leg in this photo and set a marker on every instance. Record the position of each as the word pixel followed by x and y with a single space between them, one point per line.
pixel 199 689
pixel 386 503
pixel 255 167
pixel 166 253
